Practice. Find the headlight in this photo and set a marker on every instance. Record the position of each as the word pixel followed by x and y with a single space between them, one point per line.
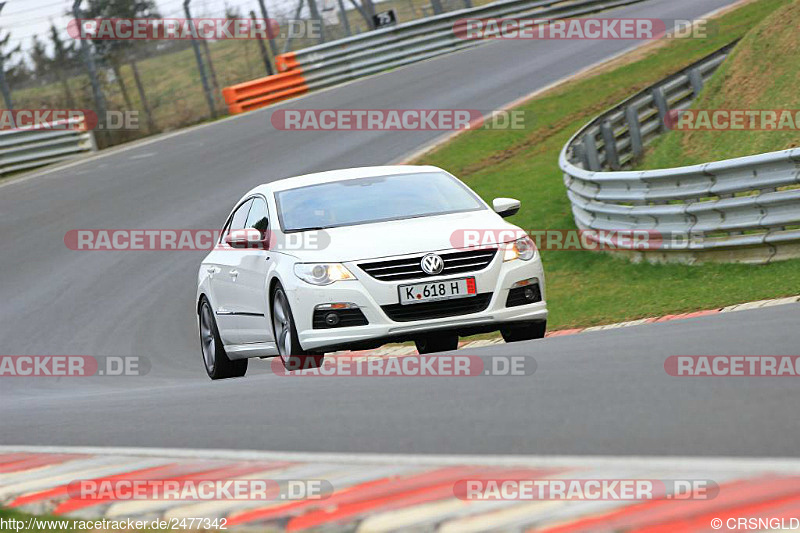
pixel 322 273
pixel 523 248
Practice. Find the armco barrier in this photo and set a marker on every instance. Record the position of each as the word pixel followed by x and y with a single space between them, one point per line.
pixel 368 53
pixel 740 210
pixel 28 148
pixel 259 93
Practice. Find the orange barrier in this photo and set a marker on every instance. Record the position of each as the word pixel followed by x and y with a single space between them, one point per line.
pixel 286 62
pixel 264 91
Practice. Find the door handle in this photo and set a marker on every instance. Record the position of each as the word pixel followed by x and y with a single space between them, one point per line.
pixel 211 270
pixel 234 274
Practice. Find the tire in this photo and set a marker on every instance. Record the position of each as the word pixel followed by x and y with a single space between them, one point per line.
pixel 215 359
pixel 291 353
pixel 525 332
pixel 437 342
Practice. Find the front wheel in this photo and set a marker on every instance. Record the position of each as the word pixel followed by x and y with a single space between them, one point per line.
pixel 217 364
pixel 291 353
pixel 437 342
pixel 524 332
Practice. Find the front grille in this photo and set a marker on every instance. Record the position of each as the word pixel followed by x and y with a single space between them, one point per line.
pixel 441 309
pixel 347 318
pixel 517 295
pixel 410 267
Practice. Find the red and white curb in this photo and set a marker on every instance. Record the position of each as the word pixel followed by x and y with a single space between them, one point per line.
pixel 398 351
pixel 373 493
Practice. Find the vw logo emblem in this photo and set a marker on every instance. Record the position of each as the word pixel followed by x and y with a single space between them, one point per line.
pixel 432 264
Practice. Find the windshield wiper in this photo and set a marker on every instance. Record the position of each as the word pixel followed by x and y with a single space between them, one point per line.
pixel 312 228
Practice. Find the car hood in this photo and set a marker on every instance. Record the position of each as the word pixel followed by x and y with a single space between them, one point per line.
pixel 401 237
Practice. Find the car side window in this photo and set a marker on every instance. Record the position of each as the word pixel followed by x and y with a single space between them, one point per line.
pixel 239 218
pixel 258 218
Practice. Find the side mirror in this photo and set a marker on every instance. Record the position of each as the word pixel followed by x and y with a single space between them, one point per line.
pixel 246 238
pixel 506 207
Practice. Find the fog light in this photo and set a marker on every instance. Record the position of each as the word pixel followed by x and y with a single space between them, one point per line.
pixel 338 315
pixel 340 305
pixel 524 292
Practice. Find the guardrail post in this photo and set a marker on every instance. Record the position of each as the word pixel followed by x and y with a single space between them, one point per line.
pixel 3 83
pixel 92 141
pixel 262 47
pixel 632 117
pixel 578 157
pixel 662 106
pixel 312 8
pixel 345 22
pixel 199 57
pixel 4 86
pixel 368 12
pixel 612 158
pixel 590 153
pixel 272 46
pixel 211 70
pixel 287 44
pixel 696 79
pixel 99 98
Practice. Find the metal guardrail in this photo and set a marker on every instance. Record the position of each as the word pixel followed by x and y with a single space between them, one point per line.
pixel 739 210
pixel 368 53
pixel 27 148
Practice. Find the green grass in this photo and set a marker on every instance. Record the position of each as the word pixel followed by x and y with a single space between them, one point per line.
pixel 587 288
pixel 763 72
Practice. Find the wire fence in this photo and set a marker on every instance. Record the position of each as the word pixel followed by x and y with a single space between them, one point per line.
pixel 157 85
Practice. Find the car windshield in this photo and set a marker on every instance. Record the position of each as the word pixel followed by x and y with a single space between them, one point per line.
pixel 373 199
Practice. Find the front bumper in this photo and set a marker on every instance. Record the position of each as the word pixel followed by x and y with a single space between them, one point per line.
pixel 369 294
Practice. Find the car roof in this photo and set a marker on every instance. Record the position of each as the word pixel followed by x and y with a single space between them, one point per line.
pixel 340 175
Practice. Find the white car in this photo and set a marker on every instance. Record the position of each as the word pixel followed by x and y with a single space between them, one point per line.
pixel 356 258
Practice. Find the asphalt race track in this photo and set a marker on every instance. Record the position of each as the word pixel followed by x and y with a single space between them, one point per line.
pixel 603 393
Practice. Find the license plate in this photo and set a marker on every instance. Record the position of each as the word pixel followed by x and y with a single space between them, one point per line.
pixel 440 290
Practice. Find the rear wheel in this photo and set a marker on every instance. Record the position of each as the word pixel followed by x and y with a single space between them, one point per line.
pixel 216 361
pixel 437 342
pixel 291 353
pixel 524 332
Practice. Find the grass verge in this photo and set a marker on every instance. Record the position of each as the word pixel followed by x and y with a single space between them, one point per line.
pixel 761 73
pixel 587 288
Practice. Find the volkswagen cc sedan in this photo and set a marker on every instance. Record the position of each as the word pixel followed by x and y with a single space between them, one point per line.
pixel 356 258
